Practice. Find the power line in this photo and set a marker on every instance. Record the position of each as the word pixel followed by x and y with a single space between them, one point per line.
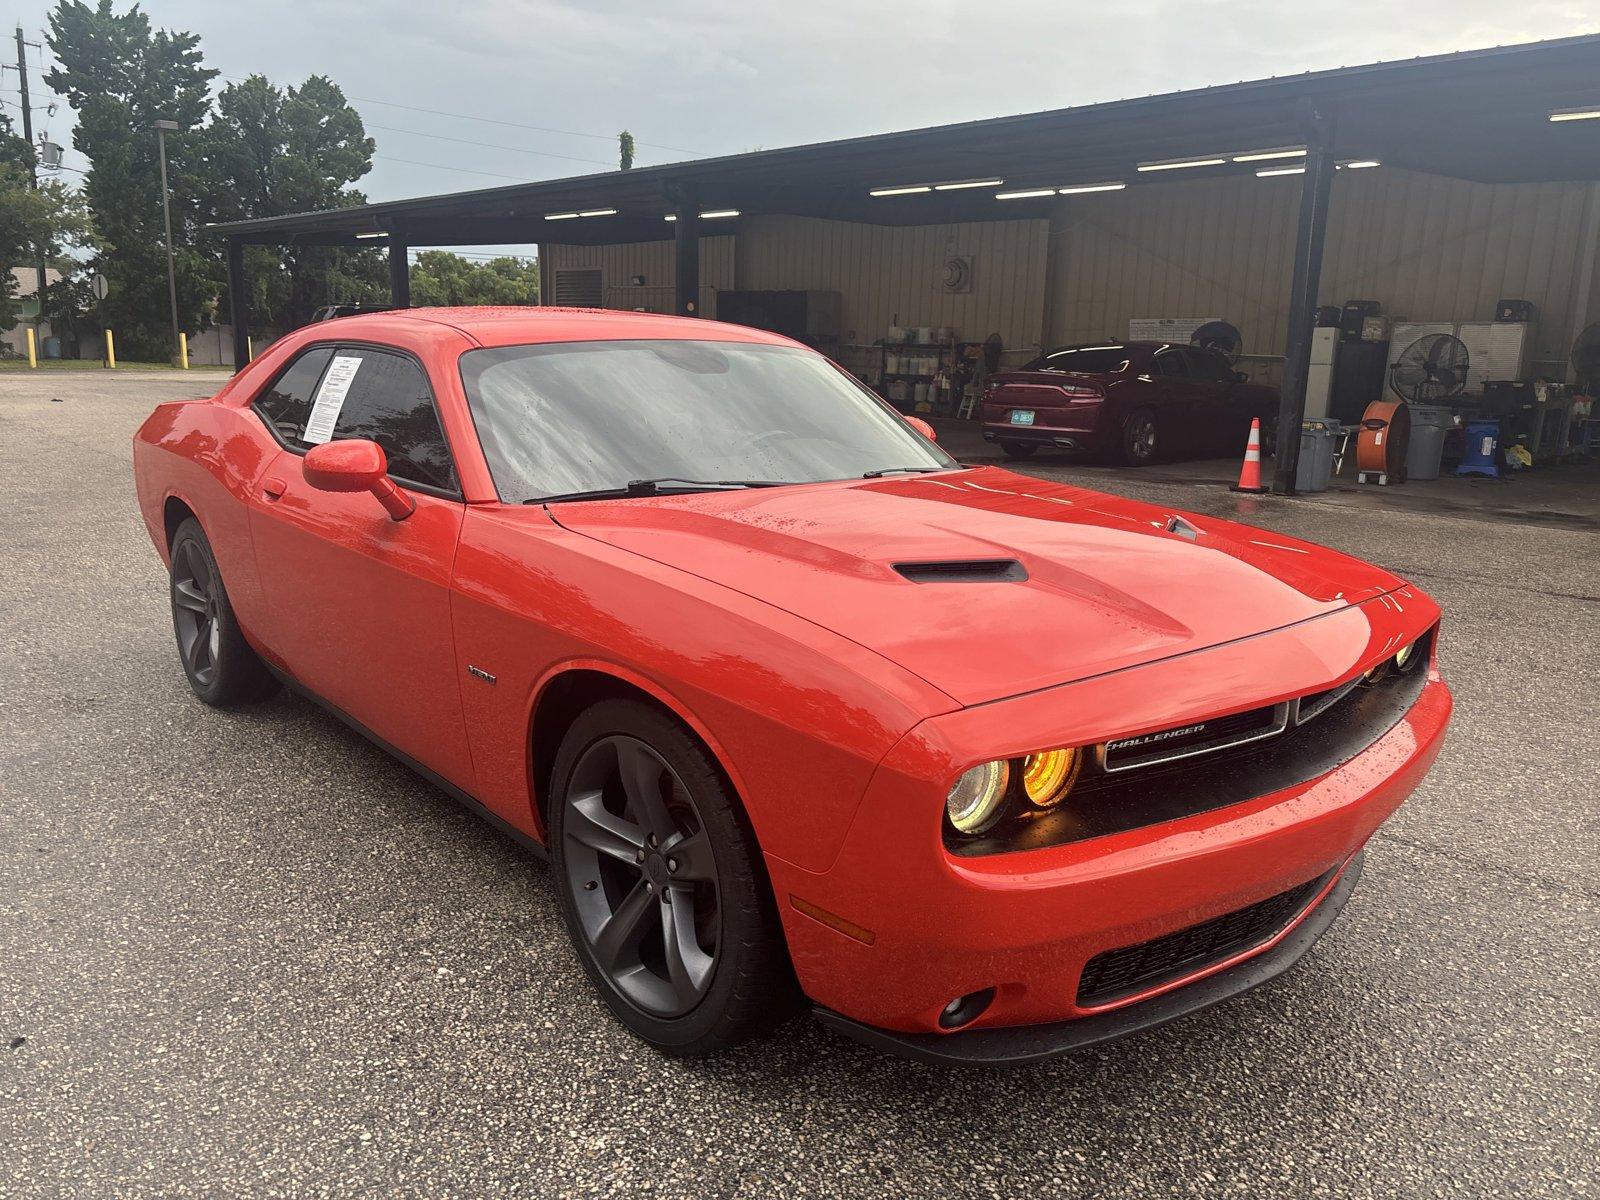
pixel 604 137
pixel 489 145
pixel 442 167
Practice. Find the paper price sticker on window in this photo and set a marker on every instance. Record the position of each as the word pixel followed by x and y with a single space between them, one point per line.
pixel 330 399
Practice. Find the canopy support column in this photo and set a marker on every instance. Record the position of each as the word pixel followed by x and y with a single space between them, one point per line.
pixel 399 270
pixel 686 273
pixel 239 304
pixel 1316 190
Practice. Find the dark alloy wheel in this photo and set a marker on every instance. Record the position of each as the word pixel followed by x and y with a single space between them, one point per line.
pixel 220 665
pixel 1140 438
pixel 661 883
pixel 641 875
pixel 1019 449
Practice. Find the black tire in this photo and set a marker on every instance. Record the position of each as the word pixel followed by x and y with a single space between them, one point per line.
pixel 1019 449
pixel 1140 442
pixel 630 784
pixel 217 661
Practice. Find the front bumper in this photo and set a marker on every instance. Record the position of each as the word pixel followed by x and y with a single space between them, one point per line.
pixel 898 926
pixel 1020 1044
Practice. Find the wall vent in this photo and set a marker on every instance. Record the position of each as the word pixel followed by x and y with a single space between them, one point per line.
pixel 578 288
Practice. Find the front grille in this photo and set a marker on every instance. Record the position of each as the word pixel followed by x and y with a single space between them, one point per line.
pixel 1117 974
pixel 1199 738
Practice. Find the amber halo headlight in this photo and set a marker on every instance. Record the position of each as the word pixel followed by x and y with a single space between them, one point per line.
pixel 1407 657
pixel 1048 776
pixel 978 798
pixel 1377 672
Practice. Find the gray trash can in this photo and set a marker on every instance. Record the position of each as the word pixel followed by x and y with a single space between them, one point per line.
pixel 1318 441
pixel 1429 424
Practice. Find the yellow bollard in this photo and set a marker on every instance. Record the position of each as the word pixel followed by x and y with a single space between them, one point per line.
pixel 183 350
pixel 111 351
pixel 33 354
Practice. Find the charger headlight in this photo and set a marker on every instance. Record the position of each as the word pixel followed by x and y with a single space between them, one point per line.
pixel 978 798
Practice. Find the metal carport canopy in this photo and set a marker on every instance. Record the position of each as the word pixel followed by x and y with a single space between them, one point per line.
pixel 1481 115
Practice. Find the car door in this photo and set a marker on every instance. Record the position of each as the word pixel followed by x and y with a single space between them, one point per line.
pixel 359 604
pixel 1180 401
pixel 1217 411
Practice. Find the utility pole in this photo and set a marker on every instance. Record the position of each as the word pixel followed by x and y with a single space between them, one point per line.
pixel 162 129
pixel 33 161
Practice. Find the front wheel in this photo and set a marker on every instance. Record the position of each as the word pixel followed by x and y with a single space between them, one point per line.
pixel 661 884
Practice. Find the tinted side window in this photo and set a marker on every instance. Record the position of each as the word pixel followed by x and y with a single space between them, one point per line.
pixel 389 402
pixel 286 404
pixel 1208 365
pixel 1170 363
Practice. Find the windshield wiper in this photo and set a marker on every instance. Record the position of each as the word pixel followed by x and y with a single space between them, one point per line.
pixel 879 474
pixel 665 486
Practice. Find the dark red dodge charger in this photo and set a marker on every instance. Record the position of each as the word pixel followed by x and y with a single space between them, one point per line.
pixel 1132 402
pixel 984 767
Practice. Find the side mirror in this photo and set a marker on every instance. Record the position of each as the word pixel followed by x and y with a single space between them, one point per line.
pixel 356 465
pixel 923 428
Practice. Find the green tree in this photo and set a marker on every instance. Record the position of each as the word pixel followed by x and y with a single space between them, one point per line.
pixel 50 218
pixel 439 277
pixel 121 76
pixel 625 146
pixel 271 151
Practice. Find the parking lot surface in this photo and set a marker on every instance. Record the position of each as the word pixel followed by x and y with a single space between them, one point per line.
pixel 247 954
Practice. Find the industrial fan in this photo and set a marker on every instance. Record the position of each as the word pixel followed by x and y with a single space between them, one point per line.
pixel 1220 336
pixel 1431 369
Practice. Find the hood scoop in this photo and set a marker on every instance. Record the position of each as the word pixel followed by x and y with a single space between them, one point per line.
pixel 968 570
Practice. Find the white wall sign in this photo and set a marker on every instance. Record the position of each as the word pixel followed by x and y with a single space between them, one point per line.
pixel 1166 329
pixel 330 398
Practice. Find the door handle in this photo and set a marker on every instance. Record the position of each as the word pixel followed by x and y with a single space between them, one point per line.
pixel 272 487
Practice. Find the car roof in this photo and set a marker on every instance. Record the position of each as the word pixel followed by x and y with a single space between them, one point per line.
pixel 521 325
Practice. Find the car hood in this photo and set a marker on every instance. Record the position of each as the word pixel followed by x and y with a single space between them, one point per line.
pixel 1105 583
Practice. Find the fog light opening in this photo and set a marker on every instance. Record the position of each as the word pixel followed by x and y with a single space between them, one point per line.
pixel 963 1010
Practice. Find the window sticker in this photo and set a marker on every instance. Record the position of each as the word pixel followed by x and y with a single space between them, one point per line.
pixel 330 398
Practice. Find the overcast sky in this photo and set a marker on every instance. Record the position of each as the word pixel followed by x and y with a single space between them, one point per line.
pixel 698 77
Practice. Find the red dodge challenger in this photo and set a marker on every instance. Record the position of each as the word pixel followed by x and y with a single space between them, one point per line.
pixel 985 767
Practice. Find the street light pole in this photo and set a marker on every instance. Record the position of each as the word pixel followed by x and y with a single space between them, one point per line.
pixel 162 129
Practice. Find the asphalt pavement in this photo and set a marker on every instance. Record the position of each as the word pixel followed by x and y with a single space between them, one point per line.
pixel 248 954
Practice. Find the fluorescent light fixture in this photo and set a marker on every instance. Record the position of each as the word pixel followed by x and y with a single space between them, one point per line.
pixel 1264 155
pixel 372 235
pixel 967 183
pixel 1360 164
pixel 560 216
pixel 1271 171
pixel 670 217
pixel 719 212
pixel 1179 163
pixel 1030 194
pixel 1576 114
pixel 900 191
pixel 599 212
pixel 1079 188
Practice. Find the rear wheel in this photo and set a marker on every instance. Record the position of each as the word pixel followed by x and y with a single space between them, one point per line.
pixel 220 665
pixel 1018 449
pixel 1141 438
pixel 661 886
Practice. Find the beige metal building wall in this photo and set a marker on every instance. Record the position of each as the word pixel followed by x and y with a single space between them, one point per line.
pixel 888 275
pixel 619 264
pixel 1427 247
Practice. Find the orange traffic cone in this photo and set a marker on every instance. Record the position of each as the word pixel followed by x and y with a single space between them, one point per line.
pixel 1250 472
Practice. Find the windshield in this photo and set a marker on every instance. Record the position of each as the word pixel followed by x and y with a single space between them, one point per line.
pixel 586 416
pixel 1090 360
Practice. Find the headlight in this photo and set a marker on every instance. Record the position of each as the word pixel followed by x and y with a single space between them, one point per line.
pixel 1407 657
pixel 1377 672
pixel 1048 776
pixel 978 797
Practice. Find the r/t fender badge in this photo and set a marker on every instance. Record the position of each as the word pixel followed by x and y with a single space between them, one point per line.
pixel 480 673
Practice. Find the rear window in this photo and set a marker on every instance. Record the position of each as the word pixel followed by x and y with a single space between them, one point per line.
pixel 1089 360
